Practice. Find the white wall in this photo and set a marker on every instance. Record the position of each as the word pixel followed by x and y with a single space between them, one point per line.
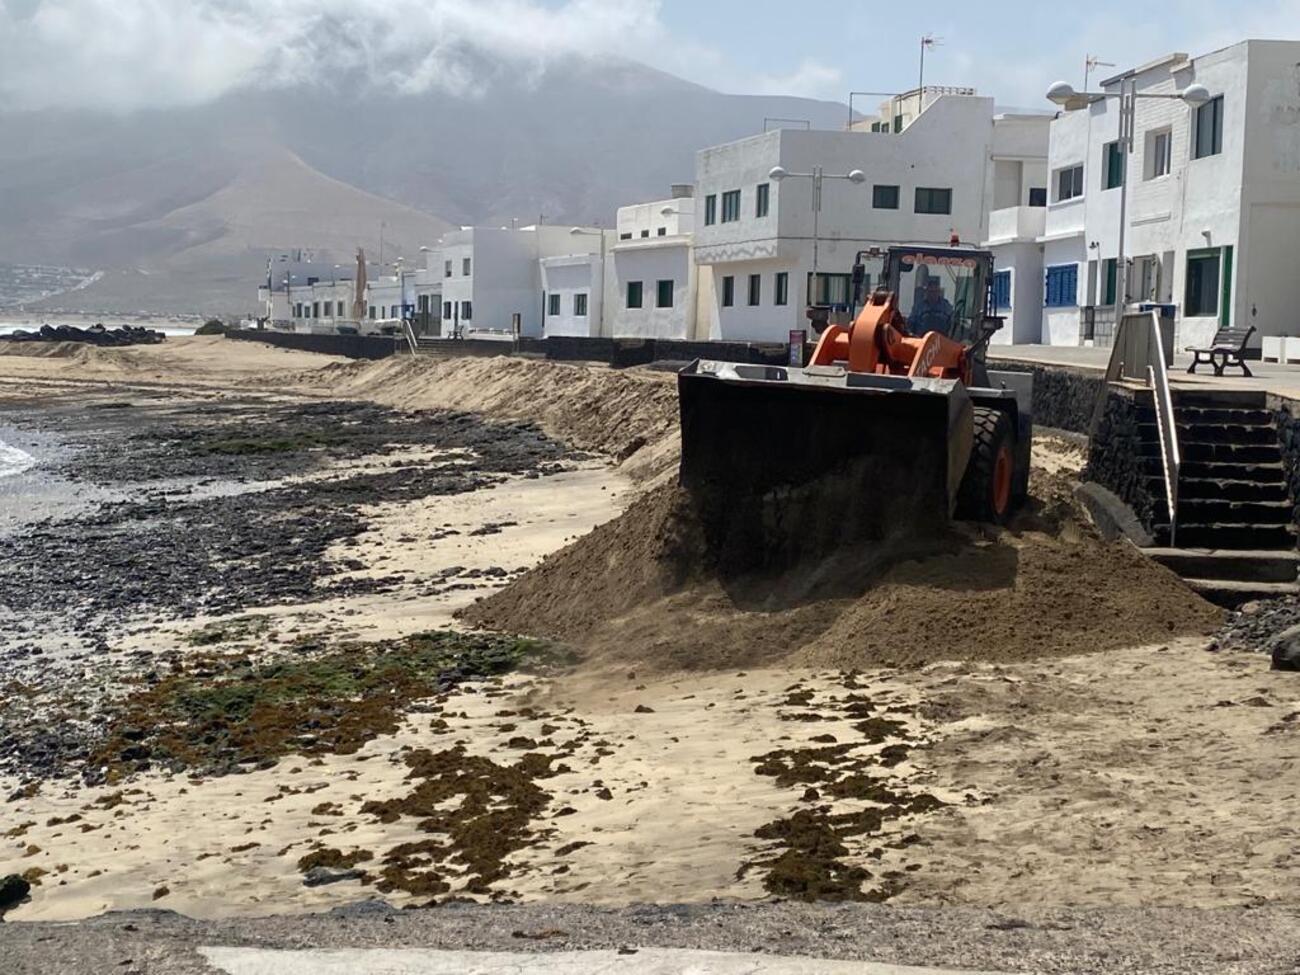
pixel 1024 319
pixel 1267 291
pixel 1061 326
pixel 650 262
pixel 640 221
pixel 567 277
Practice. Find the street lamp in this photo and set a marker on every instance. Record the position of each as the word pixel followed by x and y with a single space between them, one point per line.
pixel 581 232
pixel 1063 94
pixel 779 174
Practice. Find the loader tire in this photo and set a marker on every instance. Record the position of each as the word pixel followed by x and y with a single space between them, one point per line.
pixel 987 492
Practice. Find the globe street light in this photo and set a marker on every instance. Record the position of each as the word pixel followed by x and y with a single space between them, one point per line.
pixel 779 174
pixel 1063 94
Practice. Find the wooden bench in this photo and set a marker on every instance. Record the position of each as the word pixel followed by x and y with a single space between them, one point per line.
pixel 1228 348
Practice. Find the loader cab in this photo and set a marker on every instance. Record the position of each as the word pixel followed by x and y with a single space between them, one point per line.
pixel 941 290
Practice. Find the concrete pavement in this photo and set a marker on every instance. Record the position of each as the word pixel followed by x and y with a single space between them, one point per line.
pixel 1271 377
pixel 650 961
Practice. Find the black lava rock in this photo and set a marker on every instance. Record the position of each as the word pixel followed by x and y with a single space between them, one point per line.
pixel 13 891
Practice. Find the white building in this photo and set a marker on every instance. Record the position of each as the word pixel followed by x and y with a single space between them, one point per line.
pixel 490 275
pixel 654 292
pixel 940 174
pixel 1213 205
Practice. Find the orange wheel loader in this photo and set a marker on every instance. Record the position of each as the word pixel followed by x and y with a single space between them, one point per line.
pixel 893 428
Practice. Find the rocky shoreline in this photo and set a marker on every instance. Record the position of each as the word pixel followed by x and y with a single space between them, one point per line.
pixel 232 507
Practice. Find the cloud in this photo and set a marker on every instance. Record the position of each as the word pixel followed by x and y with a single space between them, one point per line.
pixel 126 54
pixel 811 79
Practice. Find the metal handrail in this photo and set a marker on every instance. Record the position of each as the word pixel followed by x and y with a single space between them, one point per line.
pixel 1139 354
pixel 1167 425
pixel 411 340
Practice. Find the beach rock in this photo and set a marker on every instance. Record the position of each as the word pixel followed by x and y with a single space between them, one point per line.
pixel 320 876
pixel 1286 649
pixel 13 891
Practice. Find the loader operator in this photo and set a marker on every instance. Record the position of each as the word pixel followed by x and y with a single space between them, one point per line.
pixel 934 312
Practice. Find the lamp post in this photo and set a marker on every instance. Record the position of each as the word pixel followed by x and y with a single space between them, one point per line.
pixel 1063 94
pixel 779 174
pixel 581 232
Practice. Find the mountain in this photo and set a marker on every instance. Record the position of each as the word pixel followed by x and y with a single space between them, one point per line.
pixel 181 207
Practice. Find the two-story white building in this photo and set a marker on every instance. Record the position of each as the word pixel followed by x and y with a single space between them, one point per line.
pixel 936 177
pixel 1213 212
pixel 654 293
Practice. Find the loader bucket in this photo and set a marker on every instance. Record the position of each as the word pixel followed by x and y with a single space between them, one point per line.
pixel 786 465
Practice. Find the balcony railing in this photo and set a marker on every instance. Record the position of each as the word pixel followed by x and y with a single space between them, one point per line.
pixel 1017 223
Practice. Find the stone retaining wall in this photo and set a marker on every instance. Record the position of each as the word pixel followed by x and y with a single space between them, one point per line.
pixel 349 346
pixel 1115 453
pixel 1064 398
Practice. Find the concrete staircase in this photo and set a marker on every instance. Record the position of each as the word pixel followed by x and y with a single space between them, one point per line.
pixel 1236 535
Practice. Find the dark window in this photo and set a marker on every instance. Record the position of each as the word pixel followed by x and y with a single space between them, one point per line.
pixel 782 288
pixel 446 310
pixel 731 206
pixel 1062 286
pixel 884 197
pixel 762 199
pixel 1038 196
pixel 634 294
pixel 1112 166
pixel 1209 129
pixel 1001 289
pixel 446 269
pixel 664 294
pixel 728 291
pixel 829 289
pixel 329 309
pixel 315 309
pixel 552 305
pixel 898 123
pixel 372 311
pixel 624 236
pixel 933 200
pixel 1108 281
pixel 710 210
pixel 1202 284
pixel 755 289
pixel 663 231
pixel 1069 183
pixel 1160 157
pixel 465 266
pixel 580 305
pixel 466 310
pixel 645 233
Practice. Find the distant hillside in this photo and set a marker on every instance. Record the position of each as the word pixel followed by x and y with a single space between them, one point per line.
pixel 181 206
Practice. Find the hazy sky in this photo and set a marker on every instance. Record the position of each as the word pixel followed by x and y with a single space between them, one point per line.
pixel 124 54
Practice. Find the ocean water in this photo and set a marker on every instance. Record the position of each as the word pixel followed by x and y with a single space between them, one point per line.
pixel 14 461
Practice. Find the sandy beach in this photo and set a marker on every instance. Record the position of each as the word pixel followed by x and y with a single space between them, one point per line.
pixel 277 534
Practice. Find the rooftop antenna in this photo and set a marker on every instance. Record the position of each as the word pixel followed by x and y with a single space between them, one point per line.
pixel 1092 61
pixel 928 42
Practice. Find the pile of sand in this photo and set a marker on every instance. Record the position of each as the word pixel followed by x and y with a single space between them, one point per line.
pixel 639 592
pixel 627 415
